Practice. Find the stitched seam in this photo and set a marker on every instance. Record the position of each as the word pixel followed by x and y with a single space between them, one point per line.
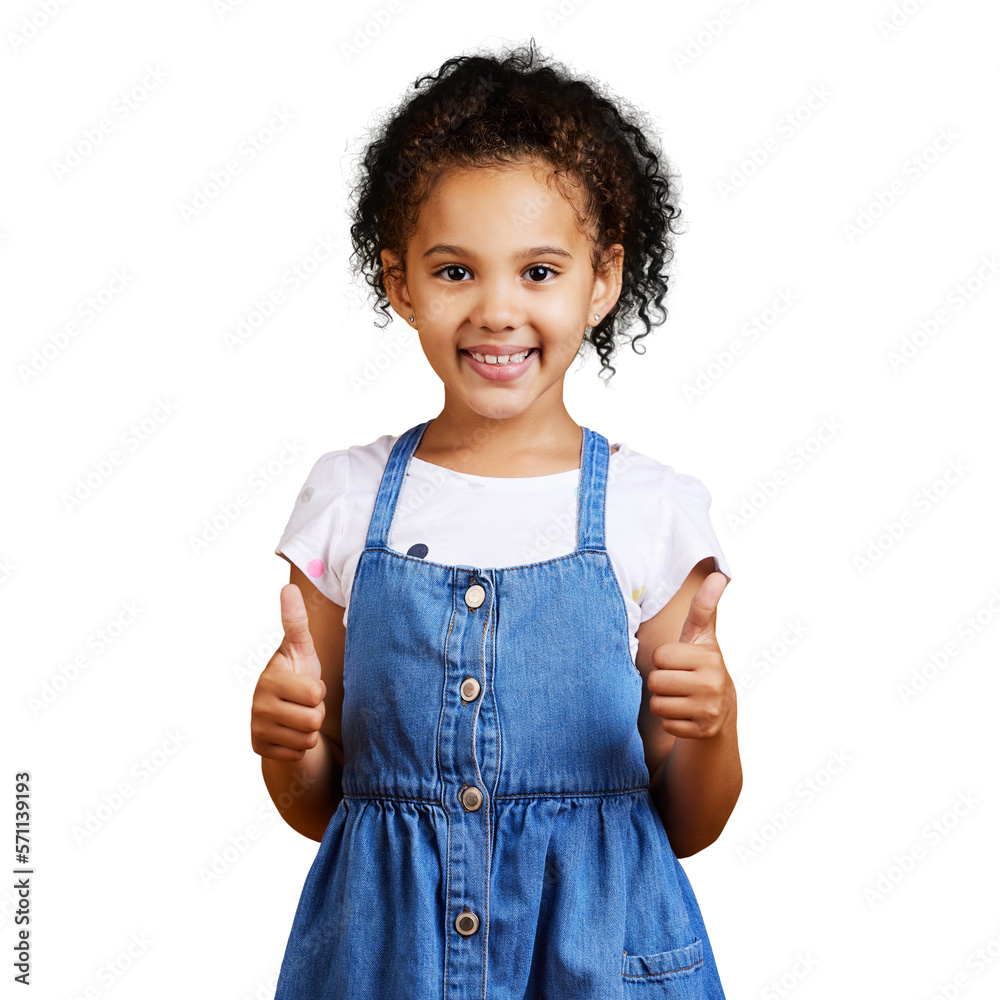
pixel 653 975
pixel 625 630
pixel 574 795
pixel 606 451
pixel 597 479
pixel 444 698
pixel 447 895
pixel 482 569
pixel 375 796
pixel 479 701
pixel 447 914
pixel 579 486
pixel 487 632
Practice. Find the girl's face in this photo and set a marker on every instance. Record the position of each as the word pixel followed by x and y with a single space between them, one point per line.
pixel 498 266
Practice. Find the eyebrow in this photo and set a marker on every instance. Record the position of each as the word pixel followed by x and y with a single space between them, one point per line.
pixel 451 250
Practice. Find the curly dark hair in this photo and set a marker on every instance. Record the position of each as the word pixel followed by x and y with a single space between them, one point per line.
pixel 485 109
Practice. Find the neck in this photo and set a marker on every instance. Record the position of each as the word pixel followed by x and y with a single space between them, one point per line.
pixel 526 444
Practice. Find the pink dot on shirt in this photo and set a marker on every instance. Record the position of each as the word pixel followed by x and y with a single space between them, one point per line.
pixel 315 567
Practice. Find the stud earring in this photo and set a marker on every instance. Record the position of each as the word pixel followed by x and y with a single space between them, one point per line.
pixel 597 315
pixel 411 318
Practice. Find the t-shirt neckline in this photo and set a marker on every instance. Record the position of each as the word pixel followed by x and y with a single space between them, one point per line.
pixel 505 482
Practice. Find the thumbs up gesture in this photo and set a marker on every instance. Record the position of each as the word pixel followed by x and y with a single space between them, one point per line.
pixel 296 651
pixel 692 690
pixel 288 703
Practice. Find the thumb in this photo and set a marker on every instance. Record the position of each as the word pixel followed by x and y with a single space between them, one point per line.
pixel 300 653
pixel 699 626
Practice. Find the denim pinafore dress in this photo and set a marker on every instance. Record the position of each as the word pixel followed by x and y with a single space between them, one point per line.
pixel 496 838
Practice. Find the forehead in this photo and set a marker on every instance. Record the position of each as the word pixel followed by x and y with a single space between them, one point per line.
pixel 498 205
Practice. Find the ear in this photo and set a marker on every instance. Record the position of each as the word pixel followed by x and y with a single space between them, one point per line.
pixel 608 281
pixel 394 282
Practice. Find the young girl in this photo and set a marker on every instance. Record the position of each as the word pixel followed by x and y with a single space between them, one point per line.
pixel 525 717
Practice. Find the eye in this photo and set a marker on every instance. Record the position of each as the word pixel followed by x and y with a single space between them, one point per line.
pixel 544 269
pixel 450 269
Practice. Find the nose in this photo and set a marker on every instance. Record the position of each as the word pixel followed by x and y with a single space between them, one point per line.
pixel 497 307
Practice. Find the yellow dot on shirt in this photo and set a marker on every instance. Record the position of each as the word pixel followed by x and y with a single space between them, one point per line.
pixel 636 594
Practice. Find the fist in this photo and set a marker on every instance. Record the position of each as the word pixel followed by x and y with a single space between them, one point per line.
pixel 288 707
pixel 692 690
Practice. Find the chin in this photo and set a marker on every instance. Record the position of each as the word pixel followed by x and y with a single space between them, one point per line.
pixel 509 409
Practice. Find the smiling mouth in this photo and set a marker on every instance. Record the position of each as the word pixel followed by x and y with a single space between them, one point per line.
pixel 500 360
pixel 499 372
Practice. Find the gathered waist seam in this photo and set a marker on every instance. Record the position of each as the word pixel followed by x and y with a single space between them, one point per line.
pixel 517 795
pixel 575 795
pixel 389 798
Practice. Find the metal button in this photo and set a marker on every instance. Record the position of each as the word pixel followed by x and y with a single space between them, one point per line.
pixel 472 798
pixel 470 689
pixel 475 596
pixel 466 923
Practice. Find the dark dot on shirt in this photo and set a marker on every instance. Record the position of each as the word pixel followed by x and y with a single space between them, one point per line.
pixel 419 550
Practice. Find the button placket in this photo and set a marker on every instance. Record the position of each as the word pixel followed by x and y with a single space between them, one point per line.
pixel 469 744
pixel 469 795
pixel 471 739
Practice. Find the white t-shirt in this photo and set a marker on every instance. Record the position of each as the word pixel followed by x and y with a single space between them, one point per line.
pixel 657 522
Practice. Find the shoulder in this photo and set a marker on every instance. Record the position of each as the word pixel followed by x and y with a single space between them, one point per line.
pixel 640 478
pixel 368 460
pixel 355 465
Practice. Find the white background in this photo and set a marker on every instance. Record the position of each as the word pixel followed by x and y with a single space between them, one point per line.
pixel 855 892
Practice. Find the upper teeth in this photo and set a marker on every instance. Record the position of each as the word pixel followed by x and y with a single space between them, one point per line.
pixel 492 359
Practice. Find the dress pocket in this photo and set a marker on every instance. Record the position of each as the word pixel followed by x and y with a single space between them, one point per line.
pixel 677 973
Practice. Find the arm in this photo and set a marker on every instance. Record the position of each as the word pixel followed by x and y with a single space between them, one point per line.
pixel 306 793
pixel 688 722
pixel 303 776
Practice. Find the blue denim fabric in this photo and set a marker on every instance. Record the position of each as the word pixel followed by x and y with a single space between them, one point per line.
pixel 566 864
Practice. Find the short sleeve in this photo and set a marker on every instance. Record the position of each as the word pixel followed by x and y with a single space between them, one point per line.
pixel 313 536
pixel 686 536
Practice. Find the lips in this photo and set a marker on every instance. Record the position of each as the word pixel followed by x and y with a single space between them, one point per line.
pixel 498 372
pixel 498 350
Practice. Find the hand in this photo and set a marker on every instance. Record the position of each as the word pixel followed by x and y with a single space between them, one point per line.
pixel 288 707
pixel 692 690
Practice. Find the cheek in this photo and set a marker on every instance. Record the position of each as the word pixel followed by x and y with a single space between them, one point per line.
pixel 557 313
pixel 434 296
pixel 560 323
pixel 570 305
